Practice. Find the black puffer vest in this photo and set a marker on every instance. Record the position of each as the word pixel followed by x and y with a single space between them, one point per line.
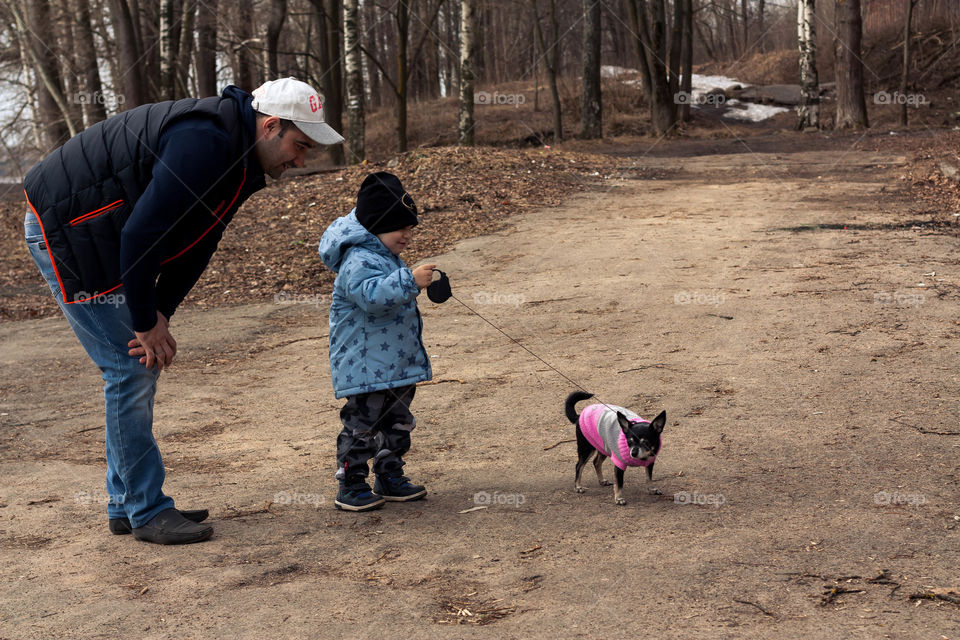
pixel 84 191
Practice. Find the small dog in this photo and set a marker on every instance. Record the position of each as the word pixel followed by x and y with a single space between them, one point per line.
pixel 614 432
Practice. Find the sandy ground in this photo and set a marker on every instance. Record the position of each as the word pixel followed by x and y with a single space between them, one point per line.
pixel 770 303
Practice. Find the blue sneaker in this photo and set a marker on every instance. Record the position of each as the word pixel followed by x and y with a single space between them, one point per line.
pixel 397 488
pixel 357 497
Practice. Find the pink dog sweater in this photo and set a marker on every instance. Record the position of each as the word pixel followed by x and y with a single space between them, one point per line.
pixel 600 427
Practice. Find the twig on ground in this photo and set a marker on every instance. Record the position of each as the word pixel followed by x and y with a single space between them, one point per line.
pixel 935 595
pixel 754 604
pixel 658 365
pixel 924 431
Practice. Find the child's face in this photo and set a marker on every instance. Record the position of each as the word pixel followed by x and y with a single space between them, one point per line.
pixel 396 241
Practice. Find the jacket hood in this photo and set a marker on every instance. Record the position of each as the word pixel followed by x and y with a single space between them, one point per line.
pixel 238 94
pixel 343 234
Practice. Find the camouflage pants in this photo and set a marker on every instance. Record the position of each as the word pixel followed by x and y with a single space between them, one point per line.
pixel 375 425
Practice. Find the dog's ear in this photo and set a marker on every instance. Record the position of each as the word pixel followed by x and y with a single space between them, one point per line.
pixel 624 422
pixel 659 422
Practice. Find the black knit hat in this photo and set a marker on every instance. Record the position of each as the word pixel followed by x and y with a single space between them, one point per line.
pixel 383 205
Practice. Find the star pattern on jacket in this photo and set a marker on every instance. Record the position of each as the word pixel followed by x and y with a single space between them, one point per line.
pixel 375 326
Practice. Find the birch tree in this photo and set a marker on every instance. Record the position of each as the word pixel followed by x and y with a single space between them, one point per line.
pixel 465 127
pixel 808 112
pixel 353 68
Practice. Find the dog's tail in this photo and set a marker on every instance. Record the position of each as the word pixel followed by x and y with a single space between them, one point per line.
pixel 570 406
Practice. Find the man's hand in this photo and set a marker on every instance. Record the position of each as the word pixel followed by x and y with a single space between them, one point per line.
pixel 423 275
pixel 156 346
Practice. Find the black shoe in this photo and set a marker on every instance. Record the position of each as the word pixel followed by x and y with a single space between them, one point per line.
pixel 170 527
pixel 356 496
pixel 121 526
pixel 397 488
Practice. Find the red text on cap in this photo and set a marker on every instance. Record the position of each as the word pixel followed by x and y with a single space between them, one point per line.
pixel 315 104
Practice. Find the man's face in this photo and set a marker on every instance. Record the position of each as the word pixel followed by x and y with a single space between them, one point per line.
pixel 278 151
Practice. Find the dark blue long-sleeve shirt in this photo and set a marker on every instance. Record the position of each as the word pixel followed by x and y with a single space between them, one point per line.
pixel 192 157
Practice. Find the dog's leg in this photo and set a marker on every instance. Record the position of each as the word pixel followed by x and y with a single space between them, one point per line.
pixel 584 451
pixel 652 490
pixel 597 462
pixel 618 486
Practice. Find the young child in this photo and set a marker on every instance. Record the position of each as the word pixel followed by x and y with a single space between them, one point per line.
pixel 376 349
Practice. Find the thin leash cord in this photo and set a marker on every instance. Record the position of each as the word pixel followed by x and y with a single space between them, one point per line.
pixel 519 344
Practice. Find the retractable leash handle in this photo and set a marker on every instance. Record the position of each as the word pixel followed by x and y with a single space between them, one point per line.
pixel 439 290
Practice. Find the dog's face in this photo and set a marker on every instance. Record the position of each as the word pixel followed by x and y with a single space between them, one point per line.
pixel 643 438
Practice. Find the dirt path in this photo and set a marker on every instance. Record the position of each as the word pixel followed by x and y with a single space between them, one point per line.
pixel 803 369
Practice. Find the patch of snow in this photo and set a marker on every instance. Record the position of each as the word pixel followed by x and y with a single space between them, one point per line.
pixel 753 112
pixel 610 71
pixel 708 83
pixel 701 86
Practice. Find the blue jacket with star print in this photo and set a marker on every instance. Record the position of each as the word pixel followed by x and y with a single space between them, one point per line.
pixel 375 327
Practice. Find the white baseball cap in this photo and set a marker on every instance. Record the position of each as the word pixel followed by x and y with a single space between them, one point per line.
pixel 291 99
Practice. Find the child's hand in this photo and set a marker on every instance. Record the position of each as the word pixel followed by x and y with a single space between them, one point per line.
pixel 423 275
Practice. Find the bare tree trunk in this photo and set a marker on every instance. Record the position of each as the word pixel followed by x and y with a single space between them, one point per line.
pixel 333 108
pixel 905 73
pixel 206 57
pixel 353 66
pixel 687 84
pixel 465 128
pixel 124 22
pixel 370 71
pixel 551 59
pixel 149 40
pixel 168 52
pixel 746 25
pixel 676 44
pixel 649 36
pixel 54 112
pixel 762 38
pixel 591 111
pixel 329 16
pixel 808 112
pixel 245 73
pixel 851 103
pixel 278 14
pixel 64 41
pixel 182 86
pixel 403 34
pixel 93 110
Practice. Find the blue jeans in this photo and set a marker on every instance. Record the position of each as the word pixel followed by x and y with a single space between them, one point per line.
pixel 134 469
